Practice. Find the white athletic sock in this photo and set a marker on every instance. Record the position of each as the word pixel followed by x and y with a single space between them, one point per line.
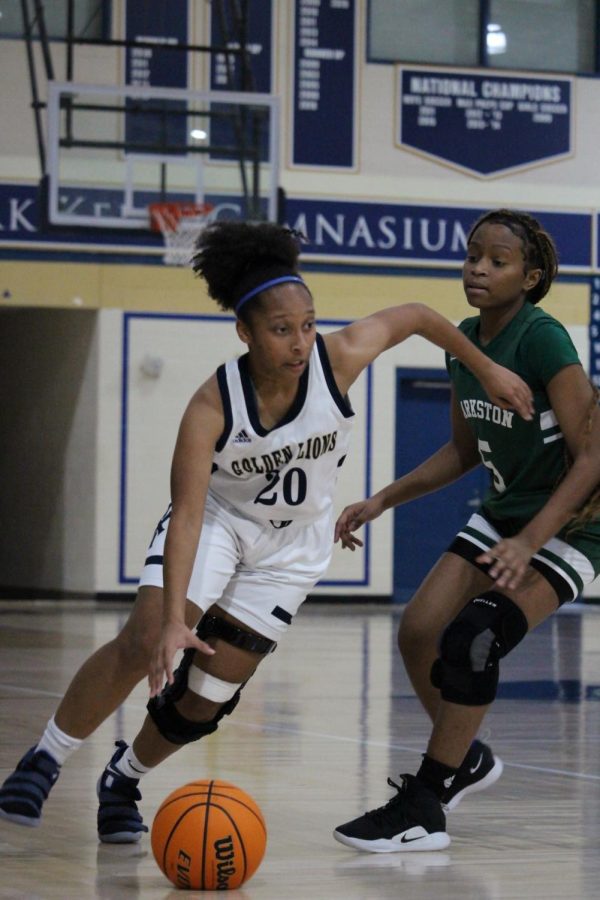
pixel 58 744
pixel 130 765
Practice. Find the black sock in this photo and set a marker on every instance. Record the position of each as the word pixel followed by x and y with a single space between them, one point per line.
pixel 435 775
pixel 472 752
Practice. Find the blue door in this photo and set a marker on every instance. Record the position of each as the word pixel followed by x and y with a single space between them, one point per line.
pixel 424 528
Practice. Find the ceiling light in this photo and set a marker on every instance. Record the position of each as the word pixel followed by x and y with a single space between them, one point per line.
pixel 495 39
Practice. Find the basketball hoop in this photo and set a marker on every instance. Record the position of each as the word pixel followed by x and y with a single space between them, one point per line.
pixel 179 223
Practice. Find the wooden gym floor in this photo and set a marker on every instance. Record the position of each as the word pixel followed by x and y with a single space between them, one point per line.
pixel 324 722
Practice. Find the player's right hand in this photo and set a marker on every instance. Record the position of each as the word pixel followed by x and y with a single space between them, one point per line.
pixel 352 517
pixel 506 390
pixel 175 636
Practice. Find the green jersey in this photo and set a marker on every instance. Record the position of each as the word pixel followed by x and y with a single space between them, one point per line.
pixel 526 459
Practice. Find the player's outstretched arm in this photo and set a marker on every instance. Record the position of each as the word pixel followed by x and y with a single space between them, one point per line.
pixel 352 348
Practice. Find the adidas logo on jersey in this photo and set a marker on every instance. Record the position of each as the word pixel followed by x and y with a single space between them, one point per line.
pixel 242 437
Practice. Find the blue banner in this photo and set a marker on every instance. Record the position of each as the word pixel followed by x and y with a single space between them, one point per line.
pixel 156 124
pixel 324 84
pixel 484 124
pixel 239 128
pixel 337 230
pixel 227 71
pixel 420 234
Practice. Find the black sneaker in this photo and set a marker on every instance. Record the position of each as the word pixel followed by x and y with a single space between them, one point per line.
pixel 119 820
pixel 479 771
pixel 412 820
pixel 23 793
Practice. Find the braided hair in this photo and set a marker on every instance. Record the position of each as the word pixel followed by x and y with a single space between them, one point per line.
pixel 235 258
pixel 539 250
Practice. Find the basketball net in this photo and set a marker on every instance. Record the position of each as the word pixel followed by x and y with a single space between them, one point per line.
pixel 180 224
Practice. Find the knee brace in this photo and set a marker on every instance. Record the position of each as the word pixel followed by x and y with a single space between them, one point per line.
pixel 162 710
pixel 467 669
pixel 232 634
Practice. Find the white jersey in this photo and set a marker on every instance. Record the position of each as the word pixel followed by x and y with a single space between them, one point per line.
pixel 289 472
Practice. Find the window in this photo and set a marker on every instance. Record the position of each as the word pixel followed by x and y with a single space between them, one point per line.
pixel 90 18
pixel 556 35
pixel 538 35
pixel 424 31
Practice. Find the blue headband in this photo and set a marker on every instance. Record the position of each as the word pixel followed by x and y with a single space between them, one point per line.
pixel 263 287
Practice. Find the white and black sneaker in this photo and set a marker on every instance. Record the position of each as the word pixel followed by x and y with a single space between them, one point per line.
pixel 119 820
pixel 479 770
pixel 412 820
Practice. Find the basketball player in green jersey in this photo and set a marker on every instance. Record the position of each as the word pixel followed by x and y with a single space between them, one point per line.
pixel 532 546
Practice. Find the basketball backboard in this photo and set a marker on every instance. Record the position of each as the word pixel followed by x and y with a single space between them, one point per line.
pixel 112 151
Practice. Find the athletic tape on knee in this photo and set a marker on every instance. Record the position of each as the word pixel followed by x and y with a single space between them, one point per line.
pixel 209 687
pixel 488 628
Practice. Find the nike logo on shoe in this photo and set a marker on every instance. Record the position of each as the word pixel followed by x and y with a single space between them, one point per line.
pixel 448 781
pixel 409 840
pixel 474 768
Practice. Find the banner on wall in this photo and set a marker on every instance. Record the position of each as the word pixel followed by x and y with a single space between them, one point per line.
pixel 337 230
pixel 417 233
pixel 165 24
pixel 323 114
pixel 484 124
pixel 228 72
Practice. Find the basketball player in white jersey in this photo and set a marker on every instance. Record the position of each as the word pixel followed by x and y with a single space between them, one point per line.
pixel 250 528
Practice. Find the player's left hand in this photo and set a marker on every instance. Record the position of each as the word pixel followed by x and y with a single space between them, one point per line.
pixel 506 390
pixel 509 560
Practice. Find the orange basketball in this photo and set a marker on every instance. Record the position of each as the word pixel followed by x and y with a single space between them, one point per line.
pixel 208 835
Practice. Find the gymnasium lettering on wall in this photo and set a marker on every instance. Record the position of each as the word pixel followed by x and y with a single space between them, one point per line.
pixel 337 230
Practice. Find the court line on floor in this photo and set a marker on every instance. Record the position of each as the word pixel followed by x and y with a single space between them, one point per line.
pixel 405 747
pixel 284 729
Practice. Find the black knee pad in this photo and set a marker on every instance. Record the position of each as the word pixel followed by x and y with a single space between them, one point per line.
pixel 488 628
pixel 163 712
pixel 175 727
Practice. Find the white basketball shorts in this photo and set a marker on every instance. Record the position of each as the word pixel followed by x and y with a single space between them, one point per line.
pixel 563 566
pixel 258 573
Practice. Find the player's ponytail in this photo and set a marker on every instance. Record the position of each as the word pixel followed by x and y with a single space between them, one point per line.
pixel 238 260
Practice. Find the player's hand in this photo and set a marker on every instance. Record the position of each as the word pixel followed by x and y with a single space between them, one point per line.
pixel 175 636
pixel 352 517
pixel 506 390
pixel 509 560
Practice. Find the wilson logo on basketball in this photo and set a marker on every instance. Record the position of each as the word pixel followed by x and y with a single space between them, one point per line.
pixel 225 857
pixel 183 869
